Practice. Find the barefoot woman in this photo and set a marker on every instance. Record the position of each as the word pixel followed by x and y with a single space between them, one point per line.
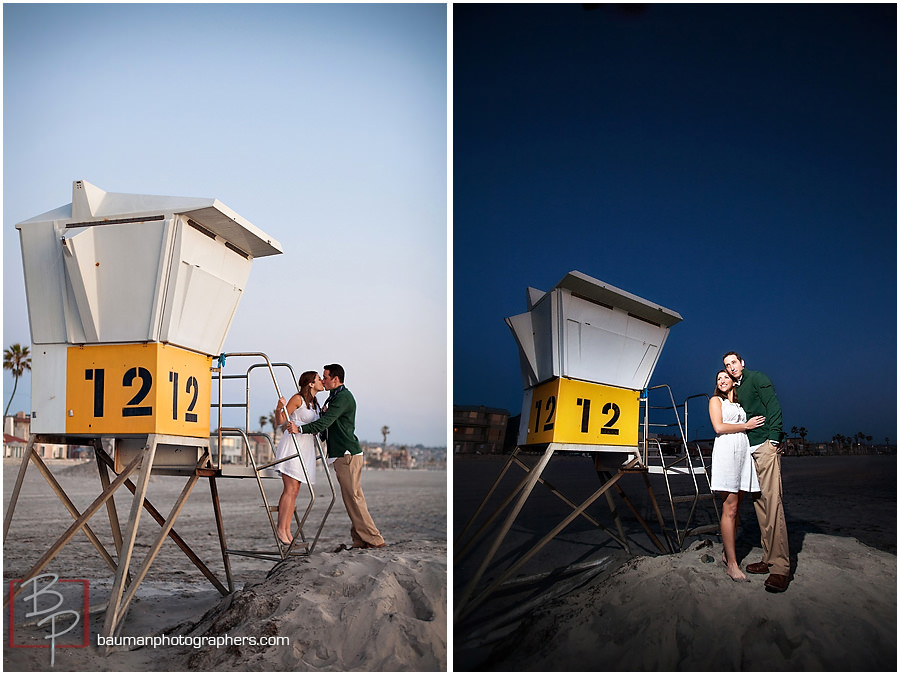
pixel 302 408
pixel 733 473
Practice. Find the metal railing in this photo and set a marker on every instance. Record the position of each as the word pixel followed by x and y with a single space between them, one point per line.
pixel 677 463
pixel 245 404
pixel 249 459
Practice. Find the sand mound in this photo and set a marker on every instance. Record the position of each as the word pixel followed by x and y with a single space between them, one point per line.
pixel 681 612
pixel 379 610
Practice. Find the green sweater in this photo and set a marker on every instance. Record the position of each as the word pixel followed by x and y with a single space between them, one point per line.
pixel 340 420
pixel 757 397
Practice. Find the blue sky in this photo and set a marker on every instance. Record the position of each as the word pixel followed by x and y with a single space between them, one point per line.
pixel 736 164
pixel 733 163
pixel 323 125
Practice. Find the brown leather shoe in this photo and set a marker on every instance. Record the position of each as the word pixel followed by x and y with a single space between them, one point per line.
pixel 758 568
pixel 777 583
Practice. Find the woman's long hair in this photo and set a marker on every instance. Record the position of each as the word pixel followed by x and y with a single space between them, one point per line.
pixel 306 382
pixel 718 392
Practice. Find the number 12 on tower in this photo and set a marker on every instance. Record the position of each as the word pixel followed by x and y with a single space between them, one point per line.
pixel 137 389
pixel 586 413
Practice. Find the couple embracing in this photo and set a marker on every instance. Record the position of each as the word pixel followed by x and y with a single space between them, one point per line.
pixel 302 418
pixel 746 417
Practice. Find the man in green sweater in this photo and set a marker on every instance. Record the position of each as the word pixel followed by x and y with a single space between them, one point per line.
pixel 756 394
pixel 345 454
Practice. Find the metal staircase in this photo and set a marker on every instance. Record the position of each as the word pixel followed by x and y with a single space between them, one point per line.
pixel 250 466
pixel 683 468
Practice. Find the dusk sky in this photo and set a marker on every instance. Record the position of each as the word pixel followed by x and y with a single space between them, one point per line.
pixel 733 163
pixel 323 125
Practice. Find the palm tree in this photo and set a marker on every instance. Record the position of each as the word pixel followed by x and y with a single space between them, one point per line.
pixel 839 440
pixel 385 430
pixel 801 432
pixel 16 359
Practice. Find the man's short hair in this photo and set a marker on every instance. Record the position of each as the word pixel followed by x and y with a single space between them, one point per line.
pixel 336 371
pixel 723 358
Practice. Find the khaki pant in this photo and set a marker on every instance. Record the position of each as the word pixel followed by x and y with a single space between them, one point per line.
pixel 769 509
pixel 349 474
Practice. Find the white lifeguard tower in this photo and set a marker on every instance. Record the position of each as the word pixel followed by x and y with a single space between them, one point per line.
pixel 130 298
pixel 587 351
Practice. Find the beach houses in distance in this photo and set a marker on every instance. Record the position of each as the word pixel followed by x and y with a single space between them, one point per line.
pixel 480 430
pixel 17 429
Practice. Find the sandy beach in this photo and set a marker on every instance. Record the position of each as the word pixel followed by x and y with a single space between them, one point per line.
pixel 370 610
pixel 602 608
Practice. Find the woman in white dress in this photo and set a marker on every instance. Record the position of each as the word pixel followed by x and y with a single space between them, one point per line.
pixel 733 471
pixel 302 408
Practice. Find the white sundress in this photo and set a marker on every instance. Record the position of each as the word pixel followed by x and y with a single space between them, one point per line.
pixel 306 444
pixel 733 468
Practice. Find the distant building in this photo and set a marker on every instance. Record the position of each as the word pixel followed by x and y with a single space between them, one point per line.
pixel 479 429
pixel 373 455
pixel 18 425
pixel 13 446
pixel 232 449
pixel 798 446
pixel 388 457
pixel 18 429
pixel 261 448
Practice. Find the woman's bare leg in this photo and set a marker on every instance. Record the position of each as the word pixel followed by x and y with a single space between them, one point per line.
pixel 728 525
pixel 286 505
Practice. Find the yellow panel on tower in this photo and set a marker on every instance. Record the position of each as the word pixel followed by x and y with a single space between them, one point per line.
pixel 150 388
pixel 584 413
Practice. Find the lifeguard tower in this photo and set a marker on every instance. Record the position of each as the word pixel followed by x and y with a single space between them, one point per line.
pixel 130 298
pixel 587 351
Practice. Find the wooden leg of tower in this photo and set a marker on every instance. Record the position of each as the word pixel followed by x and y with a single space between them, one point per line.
pixel 471 521
pixel 11 507
pixel 605 476
pixel 103 469
pixel 615 514
pixel 114 615
pixel 220 528
pixel 526 491
pixel 568 502
pixel 543 542
pixel 70 507
pixel 160 539
pixel 173 535
pixel 640 519
pixel 78 524
pixel 460 548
